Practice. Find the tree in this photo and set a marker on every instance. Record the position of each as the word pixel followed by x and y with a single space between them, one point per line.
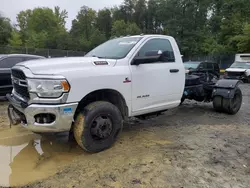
pixel 15 39
pixel 140 14
pixel 132 29
pixel 243 40
pixel 104 22
pixel 97 38
pixel 199 27
pixel 5 30
pixel 119 28
pixel 84 23
pixel 41 27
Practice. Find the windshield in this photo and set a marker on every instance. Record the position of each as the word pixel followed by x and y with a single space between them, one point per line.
pixel 115 48
pixel 243 65
pixel 191 65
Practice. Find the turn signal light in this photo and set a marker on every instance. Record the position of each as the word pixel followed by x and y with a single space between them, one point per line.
pixel 65 85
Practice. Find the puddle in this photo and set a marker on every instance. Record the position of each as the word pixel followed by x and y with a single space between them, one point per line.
pixel 27 157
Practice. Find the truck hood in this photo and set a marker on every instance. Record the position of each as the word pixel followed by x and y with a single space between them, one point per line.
pixel 59 65
pixel 239 70
pixel 236 70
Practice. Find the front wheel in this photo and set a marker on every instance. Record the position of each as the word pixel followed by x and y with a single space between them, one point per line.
pixel 97 126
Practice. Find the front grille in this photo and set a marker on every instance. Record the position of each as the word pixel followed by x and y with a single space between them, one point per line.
pixel 20 89
pixel 18 74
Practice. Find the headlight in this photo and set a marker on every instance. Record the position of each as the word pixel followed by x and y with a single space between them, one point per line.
pixel 48 88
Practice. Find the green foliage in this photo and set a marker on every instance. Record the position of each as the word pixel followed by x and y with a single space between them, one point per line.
pixel 120 28
pixel 86 31
pixel 243 40
pixel 15 39
pixel 104 22
pixel 133 29
pixel 5 30
pixel 42 27
pixel 200 27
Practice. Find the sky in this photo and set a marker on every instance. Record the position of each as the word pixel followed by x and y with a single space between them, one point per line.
pixel 10 8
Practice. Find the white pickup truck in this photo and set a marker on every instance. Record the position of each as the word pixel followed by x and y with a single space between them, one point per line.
pixel 124 77
pixel 240 69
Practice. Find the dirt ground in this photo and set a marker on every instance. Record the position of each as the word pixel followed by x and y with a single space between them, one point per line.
pixel 191 146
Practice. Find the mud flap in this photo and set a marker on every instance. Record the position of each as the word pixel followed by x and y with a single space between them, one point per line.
pixel 225 88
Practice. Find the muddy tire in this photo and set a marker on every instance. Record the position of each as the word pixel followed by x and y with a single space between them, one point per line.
pixel 232 106
pixel 218 103
pixel 97 126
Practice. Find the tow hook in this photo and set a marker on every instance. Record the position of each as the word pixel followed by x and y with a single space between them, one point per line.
pixel 13 116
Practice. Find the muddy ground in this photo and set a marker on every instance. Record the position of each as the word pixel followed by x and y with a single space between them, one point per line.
pixel 191 146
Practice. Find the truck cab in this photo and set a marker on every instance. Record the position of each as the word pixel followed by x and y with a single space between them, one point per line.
pixel 92 95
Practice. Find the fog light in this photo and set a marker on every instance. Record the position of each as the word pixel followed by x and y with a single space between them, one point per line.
pixel 46 118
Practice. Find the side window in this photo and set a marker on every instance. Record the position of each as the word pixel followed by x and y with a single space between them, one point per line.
pixel 210 66
pixel 202 66
pixel 154 45
pixel 216 67
pixel 9 62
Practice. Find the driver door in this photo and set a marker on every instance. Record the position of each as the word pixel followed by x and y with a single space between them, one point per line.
pixel 156 85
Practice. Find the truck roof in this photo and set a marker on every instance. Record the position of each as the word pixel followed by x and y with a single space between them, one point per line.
pixel 145 36
pixel 242 57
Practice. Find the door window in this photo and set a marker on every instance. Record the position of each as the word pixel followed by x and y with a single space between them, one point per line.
pixel 210 66
pixel 203 66
pixel 9 62
pixel 216 67
pixel 158 44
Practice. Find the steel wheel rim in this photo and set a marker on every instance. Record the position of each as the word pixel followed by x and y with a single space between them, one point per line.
pixel 101 127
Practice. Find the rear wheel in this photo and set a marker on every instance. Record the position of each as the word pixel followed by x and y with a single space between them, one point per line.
pixel 232 106
pixel 97 126
pixel 218 103
pixel 229 106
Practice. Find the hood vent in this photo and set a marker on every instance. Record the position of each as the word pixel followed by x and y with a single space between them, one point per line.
pixel 101 63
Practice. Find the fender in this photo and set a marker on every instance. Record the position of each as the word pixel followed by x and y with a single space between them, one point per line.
pixel 225 88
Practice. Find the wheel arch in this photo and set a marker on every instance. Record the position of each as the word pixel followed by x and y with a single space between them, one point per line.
pixel 109 95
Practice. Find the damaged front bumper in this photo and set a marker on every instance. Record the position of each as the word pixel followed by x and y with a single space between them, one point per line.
pixel 236 76
pixel 41 117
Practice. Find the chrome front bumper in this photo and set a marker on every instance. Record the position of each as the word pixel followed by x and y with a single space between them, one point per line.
pixel 63 113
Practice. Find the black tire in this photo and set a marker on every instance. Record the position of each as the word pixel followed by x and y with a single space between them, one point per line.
pixel 182 100
pixel 218 103
pixel 97 126
pixel 232 106
pixel 248 79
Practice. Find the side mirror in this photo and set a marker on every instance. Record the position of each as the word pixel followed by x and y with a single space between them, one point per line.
pixel 150 57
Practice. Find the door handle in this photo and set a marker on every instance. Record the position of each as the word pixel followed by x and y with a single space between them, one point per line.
pixel 174 70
